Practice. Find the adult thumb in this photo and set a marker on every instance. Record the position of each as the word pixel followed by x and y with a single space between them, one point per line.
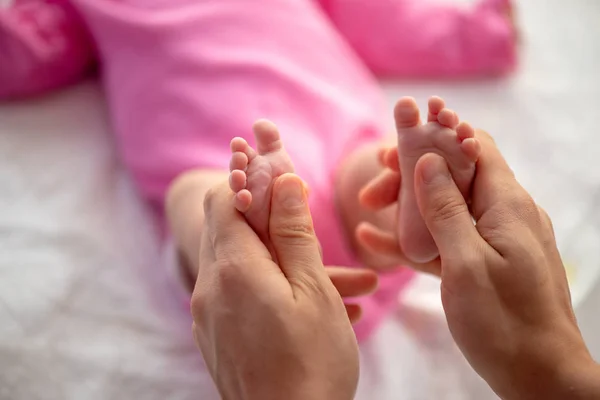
pixel 291 230
pixel 444 208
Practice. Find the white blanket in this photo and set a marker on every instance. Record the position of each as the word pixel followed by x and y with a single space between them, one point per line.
pixel 81 317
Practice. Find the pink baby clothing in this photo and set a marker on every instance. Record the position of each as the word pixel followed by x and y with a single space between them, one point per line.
pixel 415 38
pixel 44 45
pixel 183 77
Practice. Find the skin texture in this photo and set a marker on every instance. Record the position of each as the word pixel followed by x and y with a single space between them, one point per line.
pixel 502 279
pixel 445 135
pixel 254 171
pixel 270 330
pixel 187 221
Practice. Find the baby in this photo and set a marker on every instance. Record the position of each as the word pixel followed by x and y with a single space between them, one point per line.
pixel 184 76
pixel 254 171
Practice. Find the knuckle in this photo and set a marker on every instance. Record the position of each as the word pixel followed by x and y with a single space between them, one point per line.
pixel 465 260
pixel 472 259
pixel 204 291
pixel 296 228
pixel 224 273
pixel 546 219
pixel 538 256
pixel 459 276
pixel 524 208
pixel 199 303
pixel 445 208
pixel 322 293
pixel 548 236
pixel 526 203
pixel 493 231
pixel 229 273
pixel 209 200
pixel 544 215
pixel 222 279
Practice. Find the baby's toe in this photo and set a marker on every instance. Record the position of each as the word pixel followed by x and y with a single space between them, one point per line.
pixel 471 148
pixel 406 113
pixel 243 200
pixel 237 180
pixel 465 131
pixel 240 145
pixel 267 137
pixel 448 118
pixel 435 105
pixel 239 161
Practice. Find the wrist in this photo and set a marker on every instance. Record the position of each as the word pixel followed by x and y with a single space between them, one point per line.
pixel 315 389
pixel 291 378
pixel 583 382
pixel 574 377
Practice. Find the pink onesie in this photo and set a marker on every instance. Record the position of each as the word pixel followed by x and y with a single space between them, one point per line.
pixel 183 77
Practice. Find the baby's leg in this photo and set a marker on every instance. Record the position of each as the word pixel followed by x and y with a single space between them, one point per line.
pixel 185 214
pixel 43 45
pixel 418 38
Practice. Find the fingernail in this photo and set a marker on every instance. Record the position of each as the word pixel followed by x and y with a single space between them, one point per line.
pixel 290 191
pixel 435 170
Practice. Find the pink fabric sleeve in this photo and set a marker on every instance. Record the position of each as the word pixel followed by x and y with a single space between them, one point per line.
pixel 415 38
pixel 43 45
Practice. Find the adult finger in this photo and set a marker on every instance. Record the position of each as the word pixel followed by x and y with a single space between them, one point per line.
pixel 227 231
pixel 388 157
pixel 444 209
pixel 292 233
pixel 495 184
pixel 382 191
pixel 354 312
pixel 382 155
pixel 352 282
pixel 547 222
pixel 392 159
pixel 379 241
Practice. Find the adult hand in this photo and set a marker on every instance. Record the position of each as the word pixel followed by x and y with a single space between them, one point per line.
pixel 184 208
pixel 271 331
pixel 504 287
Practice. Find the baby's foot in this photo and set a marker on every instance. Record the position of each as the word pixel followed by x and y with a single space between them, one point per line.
pixel 442 135
pixel 253 173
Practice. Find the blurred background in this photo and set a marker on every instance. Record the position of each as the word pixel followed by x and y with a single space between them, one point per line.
pixel 80 318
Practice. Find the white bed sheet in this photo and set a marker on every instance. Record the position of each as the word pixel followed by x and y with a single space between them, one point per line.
pixel 81 316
